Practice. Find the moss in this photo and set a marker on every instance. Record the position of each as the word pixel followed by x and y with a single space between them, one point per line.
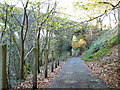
pixel 101 53
pixel 100 48
pixel 87 59
pixel 98 54
pixel 112 42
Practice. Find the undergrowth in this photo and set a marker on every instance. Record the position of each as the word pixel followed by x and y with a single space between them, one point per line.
pixel 102 45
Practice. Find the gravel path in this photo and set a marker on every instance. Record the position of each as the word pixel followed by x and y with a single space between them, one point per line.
pixel 74 74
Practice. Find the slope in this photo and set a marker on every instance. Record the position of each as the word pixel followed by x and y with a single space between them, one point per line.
pixel 102 58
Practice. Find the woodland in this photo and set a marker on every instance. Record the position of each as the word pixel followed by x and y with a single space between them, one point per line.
pixel 36 37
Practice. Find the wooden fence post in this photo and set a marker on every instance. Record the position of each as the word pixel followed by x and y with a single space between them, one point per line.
pixel 3 75
pixel 52 66
pixel 46 63
pixel 35 67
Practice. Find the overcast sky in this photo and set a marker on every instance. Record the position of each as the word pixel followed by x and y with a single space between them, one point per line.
pixel 67 4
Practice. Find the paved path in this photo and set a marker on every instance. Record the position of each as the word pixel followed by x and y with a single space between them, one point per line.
pixel 74 74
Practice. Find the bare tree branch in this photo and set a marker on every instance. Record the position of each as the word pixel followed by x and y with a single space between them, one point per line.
pixel 29 52
pixel 114 6
pixel 22 3
pixel 26 27
pixel 104 13
pixel 106 3
pixel 16 19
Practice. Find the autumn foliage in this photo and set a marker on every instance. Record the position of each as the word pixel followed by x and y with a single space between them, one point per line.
pixel 80 43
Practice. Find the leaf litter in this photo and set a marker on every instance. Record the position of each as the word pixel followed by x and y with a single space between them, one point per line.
pixel 41 81
pixel 107 68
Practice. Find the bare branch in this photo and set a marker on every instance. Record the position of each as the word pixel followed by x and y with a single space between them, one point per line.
pixel 48 15
pixel 29 52
pixel 26 27
pixel 16 19
pixel 26 4
pixel 114 6
pixel 23 22
pixel 22 3
pixel 17 46
pixel 105 12
pixel 106 3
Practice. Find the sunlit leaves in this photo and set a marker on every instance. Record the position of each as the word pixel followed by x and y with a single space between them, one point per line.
pixel 80 43
pixel 94 8
pixel 33 3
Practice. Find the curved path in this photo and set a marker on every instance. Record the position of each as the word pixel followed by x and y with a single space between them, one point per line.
pixel 74 74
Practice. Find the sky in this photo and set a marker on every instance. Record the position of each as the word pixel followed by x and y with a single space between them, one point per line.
pixel 66 4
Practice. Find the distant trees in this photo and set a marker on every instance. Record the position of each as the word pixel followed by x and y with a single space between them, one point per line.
pixel 26 27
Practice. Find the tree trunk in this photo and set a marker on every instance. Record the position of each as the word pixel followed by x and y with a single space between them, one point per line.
pixel 22 62
pixel 52 66
pixel 25 17
pixel 46 63
pixel 55 62
pixel 38 45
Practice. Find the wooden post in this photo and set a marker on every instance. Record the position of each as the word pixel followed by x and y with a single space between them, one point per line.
pixel 3 75
pixel 52 66
pixel 46 63
pixel 35 66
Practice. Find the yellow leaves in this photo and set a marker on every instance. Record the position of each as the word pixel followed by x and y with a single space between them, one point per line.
pixel 80 43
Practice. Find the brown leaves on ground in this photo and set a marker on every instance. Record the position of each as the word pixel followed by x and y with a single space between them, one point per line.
pixel 107 68
pixel 41 81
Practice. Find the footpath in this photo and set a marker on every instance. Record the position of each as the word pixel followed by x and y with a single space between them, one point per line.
pixel 74 74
